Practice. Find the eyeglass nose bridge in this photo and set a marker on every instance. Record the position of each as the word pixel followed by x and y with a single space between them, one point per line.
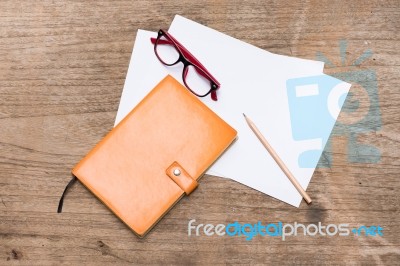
pixel 184 61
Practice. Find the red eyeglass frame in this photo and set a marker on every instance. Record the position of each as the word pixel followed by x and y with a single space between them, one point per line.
pixel 187 59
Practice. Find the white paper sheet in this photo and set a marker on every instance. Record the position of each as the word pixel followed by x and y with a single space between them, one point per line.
pixel 254 82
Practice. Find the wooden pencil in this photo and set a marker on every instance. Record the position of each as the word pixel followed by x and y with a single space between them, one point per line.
pixel 278 160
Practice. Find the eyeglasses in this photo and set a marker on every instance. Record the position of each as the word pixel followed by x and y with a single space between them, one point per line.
pixel 195 76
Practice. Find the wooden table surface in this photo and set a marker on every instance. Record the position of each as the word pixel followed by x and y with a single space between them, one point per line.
pixel 62 70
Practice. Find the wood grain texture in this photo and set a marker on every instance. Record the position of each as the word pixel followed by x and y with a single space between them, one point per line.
pixel 63 65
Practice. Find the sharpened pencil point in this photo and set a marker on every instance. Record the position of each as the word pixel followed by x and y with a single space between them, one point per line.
pixel 278 160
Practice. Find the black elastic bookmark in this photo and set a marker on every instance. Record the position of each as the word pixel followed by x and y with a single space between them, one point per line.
pixel 60 204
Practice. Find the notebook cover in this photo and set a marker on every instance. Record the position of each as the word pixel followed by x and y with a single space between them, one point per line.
pixel 132 169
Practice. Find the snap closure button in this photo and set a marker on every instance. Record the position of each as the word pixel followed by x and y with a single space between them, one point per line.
pixel 177 172
pixel 182 178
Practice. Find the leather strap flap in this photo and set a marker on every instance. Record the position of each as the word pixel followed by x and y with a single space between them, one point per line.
pixel 178 174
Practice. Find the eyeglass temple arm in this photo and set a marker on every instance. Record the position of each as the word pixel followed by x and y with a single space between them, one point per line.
pixel 189 55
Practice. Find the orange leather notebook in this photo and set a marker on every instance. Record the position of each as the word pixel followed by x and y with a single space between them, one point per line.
pixel 155 155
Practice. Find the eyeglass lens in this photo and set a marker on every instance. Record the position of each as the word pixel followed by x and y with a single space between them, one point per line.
pixel 194 78
pixel 167 53
pixel 195 81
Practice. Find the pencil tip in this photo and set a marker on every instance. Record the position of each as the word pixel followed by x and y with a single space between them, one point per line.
pixel 244 115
